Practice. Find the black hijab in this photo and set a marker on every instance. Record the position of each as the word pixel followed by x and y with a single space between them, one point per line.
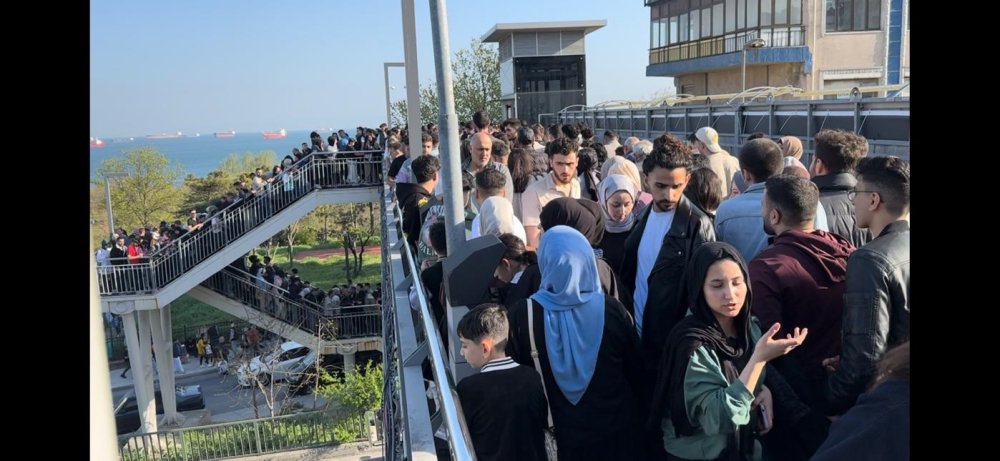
pixel 697 329
pixel 581 214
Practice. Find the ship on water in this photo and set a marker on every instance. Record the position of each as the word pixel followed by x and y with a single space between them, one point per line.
pixel 164 135
pixel 274 134
pixel 225 134
pixel 96 142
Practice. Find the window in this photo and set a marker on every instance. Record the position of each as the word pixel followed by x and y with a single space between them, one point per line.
pixel 684 28
pixel 695 24
pixel 853 15
pixel 717 20
pixel 753 13
pixel 706 22
pixel 795 10
pixel 781 11
pixel 673 30
pixel 741 14
pixel 765 13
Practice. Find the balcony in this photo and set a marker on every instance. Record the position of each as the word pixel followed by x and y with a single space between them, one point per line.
pixel 784 45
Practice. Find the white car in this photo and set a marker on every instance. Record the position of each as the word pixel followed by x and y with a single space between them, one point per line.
pixel 275 365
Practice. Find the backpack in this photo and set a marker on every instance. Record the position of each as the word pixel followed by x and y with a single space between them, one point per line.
pixel 431 212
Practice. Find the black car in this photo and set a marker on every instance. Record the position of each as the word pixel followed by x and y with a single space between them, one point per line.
pixel 127 417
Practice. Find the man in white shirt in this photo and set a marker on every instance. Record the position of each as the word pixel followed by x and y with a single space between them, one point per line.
pixel 560 182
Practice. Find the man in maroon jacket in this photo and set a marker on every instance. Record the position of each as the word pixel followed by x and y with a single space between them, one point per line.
pixel 800 281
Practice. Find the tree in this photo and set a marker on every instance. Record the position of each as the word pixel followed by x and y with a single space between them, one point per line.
pixel 476 74
pixel 202 192
pixel 235 166
pixel 148 194
pixel 475 83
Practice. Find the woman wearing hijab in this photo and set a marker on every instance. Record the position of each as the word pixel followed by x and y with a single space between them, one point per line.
pixel 791 147
pixel 496 217
pixel 617 199
pixel 586 217
pixel 627 168
pixel 588 351
pixel 711 367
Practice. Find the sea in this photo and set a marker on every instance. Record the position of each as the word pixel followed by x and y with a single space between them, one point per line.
pixel 199 155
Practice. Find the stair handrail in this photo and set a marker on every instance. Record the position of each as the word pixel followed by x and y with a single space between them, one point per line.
pixel 233 222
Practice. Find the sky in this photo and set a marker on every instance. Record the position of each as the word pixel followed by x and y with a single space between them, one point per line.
pixel 205 66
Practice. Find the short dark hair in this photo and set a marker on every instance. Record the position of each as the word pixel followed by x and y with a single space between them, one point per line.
pixel 890 176
pixel 468 181
pixel 840 150
pixel 570 131
pixel 439 241
pixel 480 119
pixel 555 130
pixel 425 136
pixel 424 167
pixel 491 181
pixel 756 135
pixel 586 132
pixel 487 320
pixel 704 189
pixel 562 146
pixel 515 250
pixel 610 134
pixel 587 160
pixel 670 153
pixel 796 198
pixel 525 136
pixel 762 158
pixel 500 148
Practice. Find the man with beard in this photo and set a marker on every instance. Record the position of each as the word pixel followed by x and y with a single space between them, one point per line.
pixel 656 253
pixel 560 182
pixel 800 280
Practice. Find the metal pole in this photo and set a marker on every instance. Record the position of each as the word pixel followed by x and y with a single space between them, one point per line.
pixel 451 165
pixel 388 115
pixel 111 217
pixel 744 74
pixel 388 105
pixel 412 82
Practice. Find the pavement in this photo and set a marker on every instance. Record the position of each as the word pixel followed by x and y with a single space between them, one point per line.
pixel 190 369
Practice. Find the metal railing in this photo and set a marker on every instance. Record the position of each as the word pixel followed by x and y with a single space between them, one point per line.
pixel 318 171
pixel 779 36
pixel 341 323
pixel 411 338
pixel 885 123
pixel 243 438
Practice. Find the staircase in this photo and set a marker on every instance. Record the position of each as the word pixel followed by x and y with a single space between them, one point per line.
pixel 338 330
pixel 183 264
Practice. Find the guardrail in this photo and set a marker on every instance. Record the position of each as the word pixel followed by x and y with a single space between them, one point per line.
pixel 318 170
pixel 243 438
pixel 411 339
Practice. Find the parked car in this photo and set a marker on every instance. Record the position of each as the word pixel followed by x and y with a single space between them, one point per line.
pixel 275 365
pixel 188 398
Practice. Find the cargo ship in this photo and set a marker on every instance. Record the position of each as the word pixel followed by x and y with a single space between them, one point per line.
pixel 164 135
pixel 96 142
pixel 225 134
pixel 274 134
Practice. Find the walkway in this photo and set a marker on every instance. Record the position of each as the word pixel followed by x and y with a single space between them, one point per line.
pixel 327 252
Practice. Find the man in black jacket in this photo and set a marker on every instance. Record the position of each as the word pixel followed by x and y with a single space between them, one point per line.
pixel 877 297
pixel 412 196
pixel 659 246
pixel 837 154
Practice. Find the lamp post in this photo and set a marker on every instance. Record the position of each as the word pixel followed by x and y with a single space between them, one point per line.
pixel 755 43
pixel 107 192
pixel 385 68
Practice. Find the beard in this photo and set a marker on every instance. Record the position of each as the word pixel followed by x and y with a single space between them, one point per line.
pixel 769 229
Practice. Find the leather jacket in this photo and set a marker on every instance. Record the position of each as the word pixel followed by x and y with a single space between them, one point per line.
pixel 876 312
pixel 833 189
pixel 689 229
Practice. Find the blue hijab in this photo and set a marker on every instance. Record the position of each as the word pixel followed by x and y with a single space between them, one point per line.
pixel 570 293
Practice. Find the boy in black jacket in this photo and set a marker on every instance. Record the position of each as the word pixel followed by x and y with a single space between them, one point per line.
pixel 504 404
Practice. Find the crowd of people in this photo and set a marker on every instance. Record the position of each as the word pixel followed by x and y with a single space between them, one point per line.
pixel 665 299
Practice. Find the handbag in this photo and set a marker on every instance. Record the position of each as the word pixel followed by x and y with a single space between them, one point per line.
pixel 551 450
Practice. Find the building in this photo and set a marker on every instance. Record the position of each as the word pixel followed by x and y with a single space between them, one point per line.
pixel 810 44
pixel 542 65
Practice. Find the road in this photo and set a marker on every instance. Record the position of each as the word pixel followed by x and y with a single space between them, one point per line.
pixel 223 395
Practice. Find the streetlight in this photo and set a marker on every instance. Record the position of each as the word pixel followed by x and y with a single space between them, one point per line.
pixel 107 192
pixel 755 43
pixel 385 69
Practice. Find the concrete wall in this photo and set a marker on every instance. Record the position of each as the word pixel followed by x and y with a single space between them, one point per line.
pixel 730 80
